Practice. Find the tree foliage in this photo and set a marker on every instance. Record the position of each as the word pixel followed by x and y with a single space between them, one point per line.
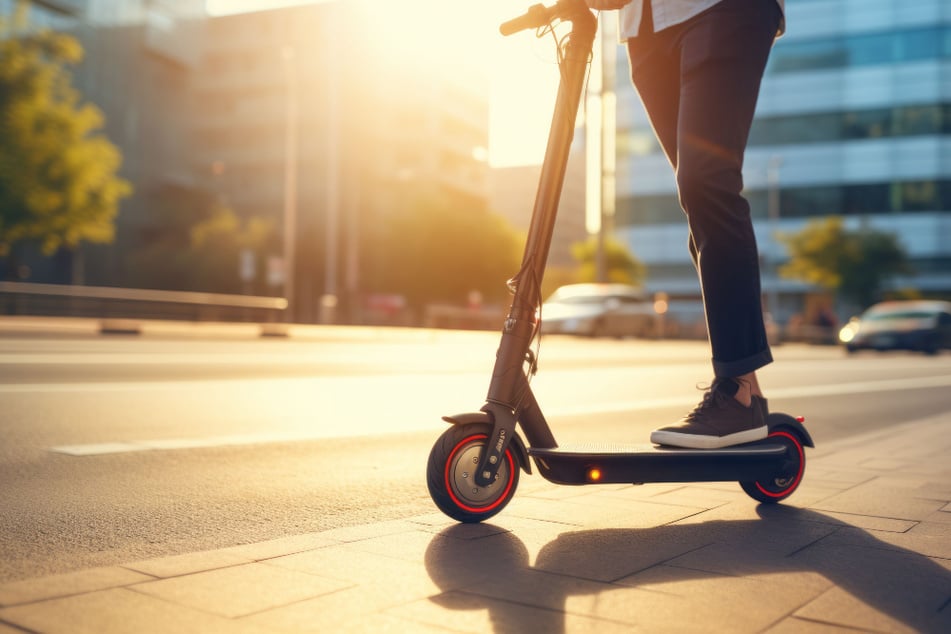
pixel 854 264
pixel 620 265
pixel 194 243
pixel 58 183
pixel 438 249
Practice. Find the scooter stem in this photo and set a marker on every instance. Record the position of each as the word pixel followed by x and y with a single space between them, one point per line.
pixel 519 329
pixel 509 396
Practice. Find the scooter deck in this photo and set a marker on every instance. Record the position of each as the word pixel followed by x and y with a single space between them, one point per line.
pixel 634 464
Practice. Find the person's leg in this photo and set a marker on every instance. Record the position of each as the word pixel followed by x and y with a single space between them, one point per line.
pixel 724 53
pixel 655 72
pixel 722 56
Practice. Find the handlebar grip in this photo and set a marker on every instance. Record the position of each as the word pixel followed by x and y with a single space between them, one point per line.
pixel 538 15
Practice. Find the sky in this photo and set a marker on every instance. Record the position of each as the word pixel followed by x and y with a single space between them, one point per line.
pixel 522 71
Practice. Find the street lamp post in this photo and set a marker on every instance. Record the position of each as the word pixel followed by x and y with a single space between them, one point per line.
pixel 290 178
pixel 329 300
pixel 772 185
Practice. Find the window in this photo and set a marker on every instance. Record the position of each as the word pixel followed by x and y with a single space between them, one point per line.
pixel 804 202
pixel 917 196
pixel 867 124
pixel 864 49
pixel 914 120
pixel 875 123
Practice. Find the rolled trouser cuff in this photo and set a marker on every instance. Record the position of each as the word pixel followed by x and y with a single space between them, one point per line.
pixel 731 369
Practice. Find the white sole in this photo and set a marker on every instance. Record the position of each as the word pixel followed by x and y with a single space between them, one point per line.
pixel 694 441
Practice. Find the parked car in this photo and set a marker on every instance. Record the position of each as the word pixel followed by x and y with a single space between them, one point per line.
pixel 599 310
pixel 919 325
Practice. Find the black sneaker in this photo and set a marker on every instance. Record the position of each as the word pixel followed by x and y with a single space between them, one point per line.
pixel 718 421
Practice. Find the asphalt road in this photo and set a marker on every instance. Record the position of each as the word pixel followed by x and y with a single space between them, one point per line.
pixel 117 449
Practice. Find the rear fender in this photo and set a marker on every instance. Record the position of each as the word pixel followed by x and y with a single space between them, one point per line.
pixel 785 420
pixel 518 446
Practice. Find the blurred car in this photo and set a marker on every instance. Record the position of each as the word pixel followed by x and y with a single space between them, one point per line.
pixel 599 310
pixel 919 325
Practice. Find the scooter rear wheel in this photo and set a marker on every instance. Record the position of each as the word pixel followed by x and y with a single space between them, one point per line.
pixel 450 475
pixel 783 484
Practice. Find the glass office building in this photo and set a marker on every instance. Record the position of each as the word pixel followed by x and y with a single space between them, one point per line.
pixel 854 120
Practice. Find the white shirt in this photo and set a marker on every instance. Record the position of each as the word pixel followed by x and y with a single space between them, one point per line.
pixel 667 13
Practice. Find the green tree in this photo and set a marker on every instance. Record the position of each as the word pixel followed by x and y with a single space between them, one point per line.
pixel 194 243
pixel 439 248
pixel 854 264
pixel 620 265
pixel 58 182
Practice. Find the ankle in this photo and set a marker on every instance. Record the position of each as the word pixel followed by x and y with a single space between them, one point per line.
pixel 748 388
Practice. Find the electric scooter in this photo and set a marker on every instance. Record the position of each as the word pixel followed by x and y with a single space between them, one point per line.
pixel 474 466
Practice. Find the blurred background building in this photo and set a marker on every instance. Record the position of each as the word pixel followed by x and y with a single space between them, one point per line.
pixel 138 58
pixel 371 124
pixel 512 193
pixel 325 123
pixel 854 119
pixel 316 115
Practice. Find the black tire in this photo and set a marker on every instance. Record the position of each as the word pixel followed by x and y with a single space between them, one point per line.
pixel 452 463
pixel 783 484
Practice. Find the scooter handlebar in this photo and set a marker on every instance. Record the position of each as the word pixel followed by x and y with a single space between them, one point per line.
pixel 538 15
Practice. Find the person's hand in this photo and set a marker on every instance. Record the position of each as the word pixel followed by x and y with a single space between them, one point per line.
pixel 606 5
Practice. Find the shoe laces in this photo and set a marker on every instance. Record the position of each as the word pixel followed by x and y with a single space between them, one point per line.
pixel 712 397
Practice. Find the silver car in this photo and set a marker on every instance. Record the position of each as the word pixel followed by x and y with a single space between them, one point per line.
pixel 924 326
pixel 599 310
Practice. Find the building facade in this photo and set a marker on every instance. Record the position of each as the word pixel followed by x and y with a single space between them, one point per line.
pixel 323 105
pixel 853 120
pixel 325 95
pixel 137 58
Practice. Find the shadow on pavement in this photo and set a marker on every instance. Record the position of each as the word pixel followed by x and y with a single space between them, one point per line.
pixel 485 567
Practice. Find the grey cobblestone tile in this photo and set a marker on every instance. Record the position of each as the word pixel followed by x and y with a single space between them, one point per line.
pixel 384 623
pixel 871 522
pixel 282 546
pixel 343 610
pixel 190 563
pixel 697 497
pixel 241 590
pixel 894 585
pixel 691 600
pixel 67 584
pixel 796 625
pixel 881 501
pixel 604 513
pixel 368 531
pixel 349 564
pixel 466 612
pixel 940 530
pixel 837 607
pixel 120 611
pixel 543 510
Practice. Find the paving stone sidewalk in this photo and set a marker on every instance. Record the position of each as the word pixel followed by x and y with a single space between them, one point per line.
pixel 864 544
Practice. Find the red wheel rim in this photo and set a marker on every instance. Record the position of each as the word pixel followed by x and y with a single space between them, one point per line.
pixel 799 472
pixel 459 503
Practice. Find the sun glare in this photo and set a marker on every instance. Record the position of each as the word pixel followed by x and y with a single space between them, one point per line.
pixel 520 71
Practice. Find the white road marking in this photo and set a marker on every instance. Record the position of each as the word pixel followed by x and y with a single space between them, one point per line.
pixel 863 387
pixel 425 421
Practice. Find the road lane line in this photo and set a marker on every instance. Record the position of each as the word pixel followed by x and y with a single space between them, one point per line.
pixel 185 443
pixel 774 394
pixel 839 389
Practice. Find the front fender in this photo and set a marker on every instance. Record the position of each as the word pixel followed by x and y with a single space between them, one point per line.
pixel 518 446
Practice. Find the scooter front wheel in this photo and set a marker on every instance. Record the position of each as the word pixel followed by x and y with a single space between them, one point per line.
pixel 784 483
pixel 451 470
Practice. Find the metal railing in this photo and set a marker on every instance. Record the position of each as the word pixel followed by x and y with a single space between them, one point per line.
pixel 60 300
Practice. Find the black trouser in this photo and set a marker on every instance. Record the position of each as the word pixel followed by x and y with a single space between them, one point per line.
pixel 699 82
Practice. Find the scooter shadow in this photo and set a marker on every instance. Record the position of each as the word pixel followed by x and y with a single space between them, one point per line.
pixel 491 570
